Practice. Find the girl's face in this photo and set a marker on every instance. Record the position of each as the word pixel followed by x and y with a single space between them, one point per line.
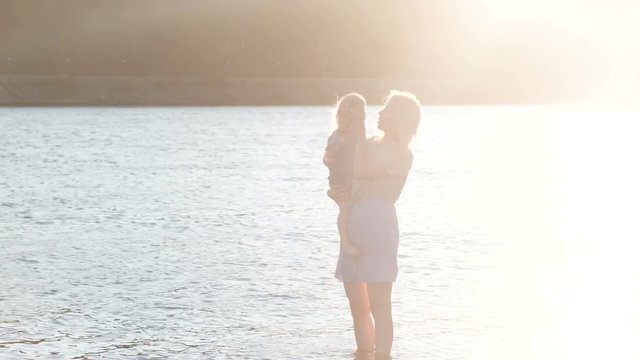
pixel 357 115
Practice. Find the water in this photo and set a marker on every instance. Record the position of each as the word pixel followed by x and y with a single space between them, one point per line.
pixel 206 233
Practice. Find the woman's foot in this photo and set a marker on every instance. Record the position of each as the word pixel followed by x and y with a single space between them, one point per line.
pixel 363 355
pixel 382 356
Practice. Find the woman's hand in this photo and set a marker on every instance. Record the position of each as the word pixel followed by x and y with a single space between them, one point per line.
pixel 340 193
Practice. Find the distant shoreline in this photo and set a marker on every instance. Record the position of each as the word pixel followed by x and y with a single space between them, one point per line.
pixel 48 90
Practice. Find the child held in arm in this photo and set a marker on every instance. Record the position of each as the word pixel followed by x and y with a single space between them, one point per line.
pixel 349 114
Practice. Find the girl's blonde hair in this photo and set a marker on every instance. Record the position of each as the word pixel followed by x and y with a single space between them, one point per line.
pixel 408 114
pixel 343 110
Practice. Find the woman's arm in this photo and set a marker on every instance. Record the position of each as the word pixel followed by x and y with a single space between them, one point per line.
pixel 340 193
pixel 363 168
pixel 360 158
pixel 329 157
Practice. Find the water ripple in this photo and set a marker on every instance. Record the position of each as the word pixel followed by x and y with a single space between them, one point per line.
pixel 206 233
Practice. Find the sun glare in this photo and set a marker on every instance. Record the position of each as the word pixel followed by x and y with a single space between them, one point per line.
pixel 565 196
pixel 608 28
pixel 591 291
pixel 606 23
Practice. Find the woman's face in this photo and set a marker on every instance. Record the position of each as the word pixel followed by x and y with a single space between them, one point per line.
pixel 385 116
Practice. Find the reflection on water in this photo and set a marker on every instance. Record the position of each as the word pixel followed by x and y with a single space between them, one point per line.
pixel 205 232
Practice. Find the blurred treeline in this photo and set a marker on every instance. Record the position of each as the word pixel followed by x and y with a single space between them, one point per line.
pixel 217 38
pixel 428 39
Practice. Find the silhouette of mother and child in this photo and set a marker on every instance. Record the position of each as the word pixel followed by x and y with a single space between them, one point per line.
pixel 366 177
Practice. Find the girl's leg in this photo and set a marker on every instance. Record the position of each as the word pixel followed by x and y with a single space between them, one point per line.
pixel 343 229
pixel 361 314
pixel 380 302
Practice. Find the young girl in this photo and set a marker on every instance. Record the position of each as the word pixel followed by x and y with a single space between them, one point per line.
pixel 349 115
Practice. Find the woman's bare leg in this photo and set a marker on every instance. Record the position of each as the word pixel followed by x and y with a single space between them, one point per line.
pixel 361 314
pixel 380 302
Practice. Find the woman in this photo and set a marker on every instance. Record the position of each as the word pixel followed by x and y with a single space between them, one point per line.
pixel 381 166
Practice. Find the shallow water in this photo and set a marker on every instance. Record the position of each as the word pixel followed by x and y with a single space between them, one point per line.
pixel 206 233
